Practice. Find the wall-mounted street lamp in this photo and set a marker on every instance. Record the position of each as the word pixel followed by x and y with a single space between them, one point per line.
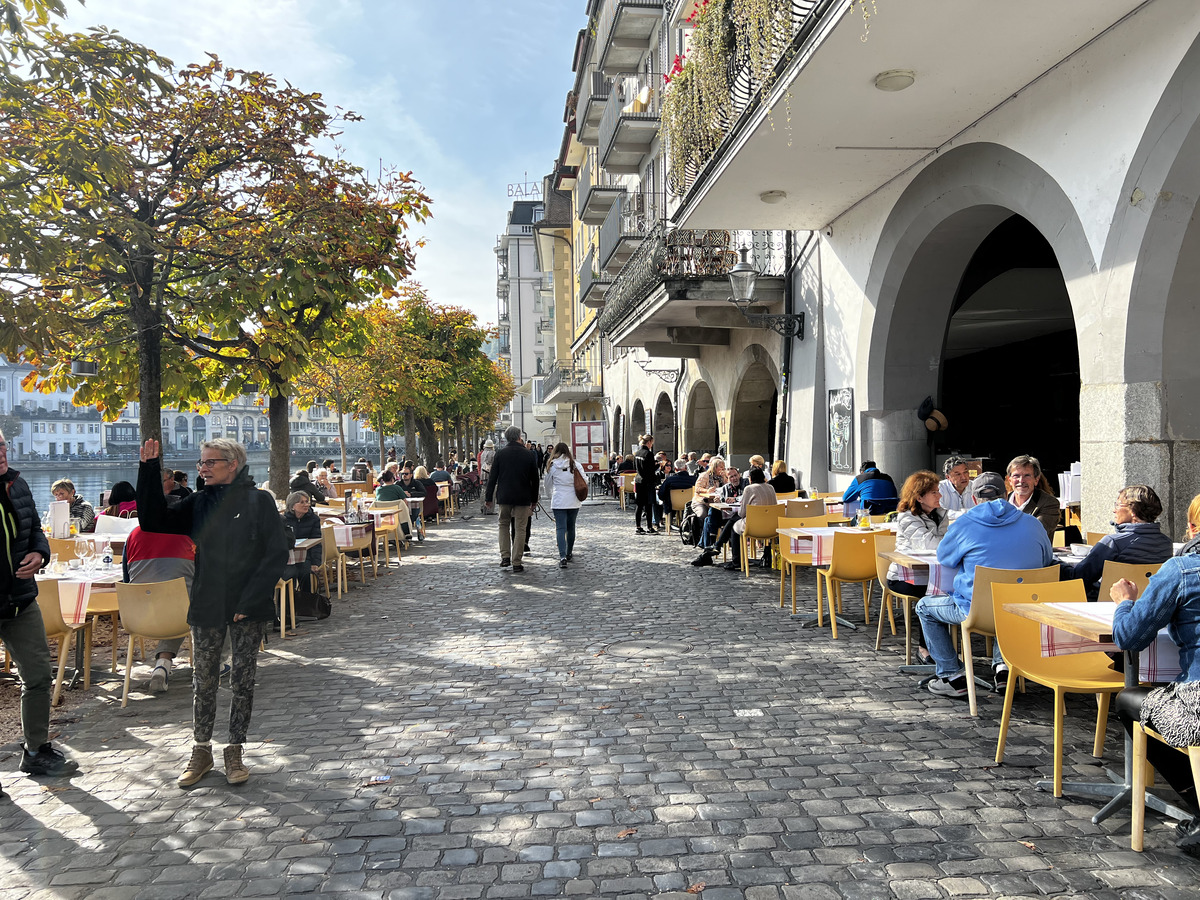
pixel 742 279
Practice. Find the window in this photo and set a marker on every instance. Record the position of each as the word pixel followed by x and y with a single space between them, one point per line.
pixel 54 428
pixel 79 429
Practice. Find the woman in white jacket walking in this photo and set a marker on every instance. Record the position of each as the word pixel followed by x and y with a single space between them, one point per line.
pixel 560 485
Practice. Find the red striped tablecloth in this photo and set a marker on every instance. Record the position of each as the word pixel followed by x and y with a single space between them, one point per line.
pixel 1157 663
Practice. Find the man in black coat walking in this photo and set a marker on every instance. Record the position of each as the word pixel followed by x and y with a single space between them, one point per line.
pixel 644 484
pixel 513 484
pixel 21 627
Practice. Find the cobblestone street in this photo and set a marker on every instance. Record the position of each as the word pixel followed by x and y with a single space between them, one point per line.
pixel 628 727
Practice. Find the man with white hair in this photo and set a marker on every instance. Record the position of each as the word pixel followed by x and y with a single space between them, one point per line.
pixel 513 485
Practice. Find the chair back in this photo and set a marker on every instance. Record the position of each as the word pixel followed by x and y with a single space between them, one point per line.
pixel 443 490
pixel 1059 538
pixel 805 508
pixel 1138 573
pixel 1093 537
pixel 329 547
pixel 762 521
pixel 51 608
pixel 782 496
pixel 629 482
pixel 885 542
pixel 64 547
pixel 825 495
pixel 802 522
pixel 156 610
pixel 853 556
pixel 980 617
pixel 115 525
pixel 681 497
pixel 399 507
pixel 1020 639
pixel 430 507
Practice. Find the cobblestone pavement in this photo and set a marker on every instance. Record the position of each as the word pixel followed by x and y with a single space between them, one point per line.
pixel 458 731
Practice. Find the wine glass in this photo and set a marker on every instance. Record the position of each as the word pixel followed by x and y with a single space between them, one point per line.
pixel 86 551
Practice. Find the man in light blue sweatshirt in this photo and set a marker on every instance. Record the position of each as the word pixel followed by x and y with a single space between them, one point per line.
pixel 993 533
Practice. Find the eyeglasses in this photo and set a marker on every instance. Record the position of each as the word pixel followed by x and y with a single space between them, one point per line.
pixel 3 445
pixel 209 463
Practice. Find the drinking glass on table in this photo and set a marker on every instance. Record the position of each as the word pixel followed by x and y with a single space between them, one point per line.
pixel 86 551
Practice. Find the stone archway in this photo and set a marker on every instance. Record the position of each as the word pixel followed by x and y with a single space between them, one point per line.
pixel 664 425
pixel 754 416
pixel 700 421
pixel 618 432
pixel 926 248
pixel 637 424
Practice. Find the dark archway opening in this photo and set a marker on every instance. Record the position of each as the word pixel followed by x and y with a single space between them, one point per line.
pixel 664 426
pixel 700 434
pixel 1010 361
pixel 755 416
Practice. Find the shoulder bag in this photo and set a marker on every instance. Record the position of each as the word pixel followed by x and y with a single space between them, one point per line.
pixel 581 485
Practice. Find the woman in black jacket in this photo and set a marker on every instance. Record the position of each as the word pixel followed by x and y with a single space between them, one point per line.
pixel 298 515
pixel 241 553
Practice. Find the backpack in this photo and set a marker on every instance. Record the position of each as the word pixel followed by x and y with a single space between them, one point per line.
pixel 689 527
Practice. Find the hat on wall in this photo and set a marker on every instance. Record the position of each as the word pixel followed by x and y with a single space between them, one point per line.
pixel 988 486
pixel 934 418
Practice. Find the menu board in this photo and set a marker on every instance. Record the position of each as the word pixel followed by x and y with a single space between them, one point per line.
pixel 588 445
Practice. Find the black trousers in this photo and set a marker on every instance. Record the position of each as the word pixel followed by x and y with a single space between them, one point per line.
pixel 644 497
pixel 1167 761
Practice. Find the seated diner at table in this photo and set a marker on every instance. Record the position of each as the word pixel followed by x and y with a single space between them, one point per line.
pixel 956 485
pixel 299 516
pixel 707 488
pixel 781 481
pixel 302 481
pixel 993 533
pixel 320 478
pixel 122 501
pixel 1138 539
pixel 875 491
pixel 1031 494
pixel 1172 601
pixel 64 489
pixel 757 493
pixel 920 527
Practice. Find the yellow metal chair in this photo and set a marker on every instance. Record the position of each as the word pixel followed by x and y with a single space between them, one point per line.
pixel 852 562
pixel 760 523
pixel 57 628
pixel 885 542
pixel 1138 800
pixel 979 620
pixel 1076 673
pixel 1138 573
pixel 680 498
pixel 789 560
pixel 155 611
pixel 805 509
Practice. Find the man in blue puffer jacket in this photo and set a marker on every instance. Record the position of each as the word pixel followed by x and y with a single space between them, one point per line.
pixel 25 551
pixel 993 533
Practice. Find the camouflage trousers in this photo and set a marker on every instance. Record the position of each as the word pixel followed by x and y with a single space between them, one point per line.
pixel 244 638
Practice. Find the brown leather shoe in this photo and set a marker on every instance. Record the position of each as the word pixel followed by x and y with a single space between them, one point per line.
pixel 235 771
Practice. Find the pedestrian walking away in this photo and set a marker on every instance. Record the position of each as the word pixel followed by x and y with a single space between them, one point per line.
pixel 513 486
pixel 241 553
pixel 21 627
pixel 644 483
pixel 560 484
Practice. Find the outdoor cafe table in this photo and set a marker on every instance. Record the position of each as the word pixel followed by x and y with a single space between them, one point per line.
pixel 299 551
pixel 1092 622
pixel 818 541
pixel 81 594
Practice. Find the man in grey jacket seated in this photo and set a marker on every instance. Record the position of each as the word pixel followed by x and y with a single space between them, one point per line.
pixel 1138 539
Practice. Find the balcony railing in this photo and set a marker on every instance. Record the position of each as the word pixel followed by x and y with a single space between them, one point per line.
pixel 679 255
pixel 630 122
pixel 568 384
pixel 596 89
pixel 593 284
pixel 623 33
pixel 630 219
pixel 595 192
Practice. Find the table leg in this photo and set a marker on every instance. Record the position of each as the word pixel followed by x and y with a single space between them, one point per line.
pixel 80 655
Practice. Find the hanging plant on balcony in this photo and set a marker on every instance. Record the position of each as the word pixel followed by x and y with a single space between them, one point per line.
pixel 696 109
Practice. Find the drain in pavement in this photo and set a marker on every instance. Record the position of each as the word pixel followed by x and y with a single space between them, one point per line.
pixel 647 648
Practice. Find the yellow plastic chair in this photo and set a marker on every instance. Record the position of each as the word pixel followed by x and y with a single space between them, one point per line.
pixel 761 523
pixel 1093 537
pixel 332 558
pixel 57 628
pixel 155 611
pixel 852 562
pixel 1076 673
pixel 628 486
pixel 1138 800
pixel 443 514
pixel 789 560
pixel 1138 573
pixel 363 546
pixel 826 495
pixel 885 542
pixel 104 602
pixel 680 498
pixel 786 495
pixel 64 547
pixel 980 621
pixel 804 509
pixel 385 534
pixel 285 599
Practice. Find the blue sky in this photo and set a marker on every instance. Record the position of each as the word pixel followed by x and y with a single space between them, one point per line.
pixel 468 95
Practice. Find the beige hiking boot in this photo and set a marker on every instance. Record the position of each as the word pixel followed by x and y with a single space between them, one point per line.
pixel 235 771
pixel 198 766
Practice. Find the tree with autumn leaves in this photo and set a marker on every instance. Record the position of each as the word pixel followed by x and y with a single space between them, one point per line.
pixel 179 228
pixel 422 369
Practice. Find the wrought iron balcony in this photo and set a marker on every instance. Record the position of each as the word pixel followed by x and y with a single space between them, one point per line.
pixel 590 108
pixel 569 384
pixel 593 284
pixel 595 193
pixel 629 220
pixel 624 31
pixel 630 122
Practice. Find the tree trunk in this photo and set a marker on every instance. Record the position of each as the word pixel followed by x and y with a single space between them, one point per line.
pixel 410 434
pixel 428 436
pixel 379 433
pixel 149 350
pixel 281 439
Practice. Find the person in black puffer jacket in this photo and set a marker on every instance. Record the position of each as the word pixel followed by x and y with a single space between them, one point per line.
pixel 21 628
pixel 299 516
pixel 241 553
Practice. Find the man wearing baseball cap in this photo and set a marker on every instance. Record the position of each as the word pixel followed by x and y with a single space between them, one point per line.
pixel 992 533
